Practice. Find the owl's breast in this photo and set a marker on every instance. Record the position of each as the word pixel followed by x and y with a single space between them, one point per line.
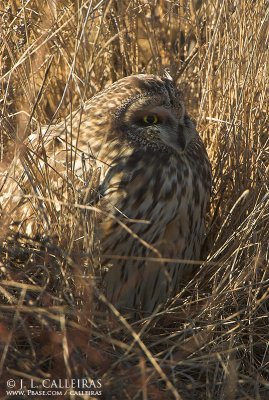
pixel 156 205
pixel 151 197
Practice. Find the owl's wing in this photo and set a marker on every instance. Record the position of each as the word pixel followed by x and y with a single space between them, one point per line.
pixel 47 173
pixel 67 163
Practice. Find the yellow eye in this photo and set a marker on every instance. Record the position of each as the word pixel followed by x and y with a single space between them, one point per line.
pixel 151 119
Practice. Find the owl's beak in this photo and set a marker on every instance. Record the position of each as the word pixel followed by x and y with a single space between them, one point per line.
pixel 181 139
pixel 174 138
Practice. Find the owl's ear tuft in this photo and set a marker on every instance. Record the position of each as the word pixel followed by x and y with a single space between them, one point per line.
pixel 167 75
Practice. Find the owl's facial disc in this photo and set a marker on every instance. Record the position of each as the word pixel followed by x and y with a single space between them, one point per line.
pixel 173 137
pixel 160 126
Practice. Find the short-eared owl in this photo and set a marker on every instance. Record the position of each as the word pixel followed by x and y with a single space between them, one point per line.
pixel 155 181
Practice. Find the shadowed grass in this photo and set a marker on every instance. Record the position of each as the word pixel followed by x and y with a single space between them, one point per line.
pixel 212 340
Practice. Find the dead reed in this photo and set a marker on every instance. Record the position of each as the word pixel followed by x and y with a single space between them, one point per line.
pixel 212 341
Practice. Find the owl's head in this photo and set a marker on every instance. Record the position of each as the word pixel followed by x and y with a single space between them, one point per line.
pixel 148 112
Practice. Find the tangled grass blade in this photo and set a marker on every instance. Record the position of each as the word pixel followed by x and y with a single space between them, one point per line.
pixel 211 340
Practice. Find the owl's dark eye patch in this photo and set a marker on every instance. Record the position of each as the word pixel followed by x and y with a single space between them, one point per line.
pixel 148 120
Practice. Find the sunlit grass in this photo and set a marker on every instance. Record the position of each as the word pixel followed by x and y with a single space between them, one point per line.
pixel 212 340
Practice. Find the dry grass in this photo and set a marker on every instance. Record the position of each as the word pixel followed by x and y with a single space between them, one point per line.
pixel 212 341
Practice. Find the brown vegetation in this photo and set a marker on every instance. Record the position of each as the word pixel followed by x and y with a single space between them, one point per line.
pixel 212 341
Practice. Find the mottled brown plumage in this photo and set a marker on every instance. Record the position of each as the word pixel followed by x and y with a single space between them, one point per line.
pixel 155 181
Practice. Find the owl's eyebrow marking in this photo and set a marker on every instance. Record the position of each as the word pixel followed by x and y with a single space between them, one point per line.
pixel 128 102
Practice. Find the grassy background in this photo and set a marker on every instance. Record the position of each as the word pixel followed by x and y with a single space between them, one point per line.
pixel 212 341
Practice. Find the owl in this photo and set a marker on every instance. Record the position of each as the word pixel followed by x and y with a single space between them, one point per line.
pixel 153 186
